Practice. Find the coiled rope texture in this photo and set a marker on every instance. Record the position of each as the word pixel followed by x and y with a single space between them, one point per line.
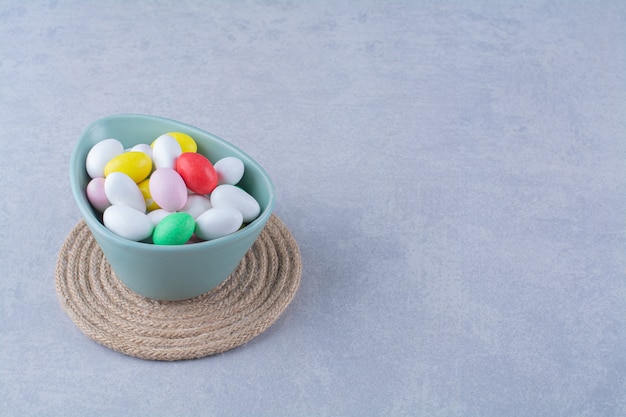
pixel 233 313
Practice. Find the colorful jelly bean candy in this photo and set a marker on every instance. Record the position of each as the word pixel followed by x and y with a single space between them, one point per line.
pixel 100 154
pixel 218 222
pixel 227 195
pixel 168 189
pixel 174 229
pixel 128 222
pixel 186 142
pixel 165 150
pixel 96 195
pixel 196 205
pixel 120 189
pixel 229 170
pixel 197 172
pixel 136 165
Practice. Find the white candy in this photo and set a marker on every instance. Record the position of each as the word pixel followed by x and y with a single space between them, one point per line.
pixel 229 170
pixel 101 153
pixel 142 147
pixel 120 189
pixel 165 150
pixel 157 215
pixel 196 205
pixel 218 222
pixel 128 222
pixel 227 195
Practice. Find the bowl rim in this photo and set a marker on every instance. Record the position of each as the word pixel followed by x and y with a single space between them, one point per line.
pixel 87 211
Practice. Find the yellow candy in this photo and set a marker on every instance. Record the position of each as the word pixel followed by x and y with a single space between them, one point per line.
pixel 144 186
pixel 136 165
pixel 186 142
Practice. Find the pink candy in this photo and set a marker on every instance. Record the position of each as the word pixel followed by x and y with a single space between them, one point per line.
pixel 96 194
pixel 168 189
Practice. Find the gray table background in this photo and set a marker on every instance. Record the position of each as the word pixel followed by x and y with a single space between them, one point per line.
pixel 454 173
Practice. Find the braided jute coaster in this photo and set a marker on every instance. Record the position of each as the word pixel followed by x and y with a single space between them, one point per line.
pixel 240 308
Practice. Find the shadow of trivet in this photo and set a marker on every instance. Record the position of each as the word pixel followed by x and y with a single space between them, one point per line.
pixel 240 308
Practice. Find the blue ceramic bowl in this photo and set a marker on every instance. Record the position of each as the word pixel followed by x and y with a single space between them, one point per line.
pixel 169 272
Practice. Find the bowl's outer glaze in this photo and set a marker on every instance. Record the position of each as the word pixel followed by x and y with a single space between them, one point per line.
pixel 169 272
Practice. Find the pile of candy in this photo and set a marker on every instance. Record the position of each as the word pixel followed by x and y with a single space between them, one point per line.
pixel 166 192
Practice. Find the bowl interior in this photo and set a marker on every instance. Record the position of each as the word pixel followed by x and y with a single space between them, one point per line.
pixel 133 129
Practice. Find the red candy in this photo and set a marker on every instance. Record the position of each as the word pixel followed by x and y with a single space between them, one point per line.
pixel 197 172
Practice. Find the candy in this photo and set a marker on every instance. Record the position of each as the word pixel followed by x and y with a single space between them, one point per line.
pixel 127 222
pixel 186 142
pixel 186 197
pixel 165 150
pixel 218 222
pixel 96 195
pixel 157 215
pixel 120 189
pixel 142 147
pixel 196 205
pixel 229 170
pixel 144 187
pixel 227 195
pixel 136 165
pixel 197 172
pixel 101 153
pixel 168 189
pixel 174 229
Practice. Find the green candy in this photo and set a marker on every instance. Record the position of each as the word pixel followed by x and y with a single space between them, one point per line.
pixel 174 229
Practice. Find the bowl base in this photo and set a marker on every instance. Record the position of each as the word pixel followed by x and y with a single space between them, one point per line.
pixel 239 309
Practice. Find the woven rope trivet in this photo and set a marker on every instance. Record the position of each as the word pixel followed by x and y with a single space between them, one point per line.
pixel 240 308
